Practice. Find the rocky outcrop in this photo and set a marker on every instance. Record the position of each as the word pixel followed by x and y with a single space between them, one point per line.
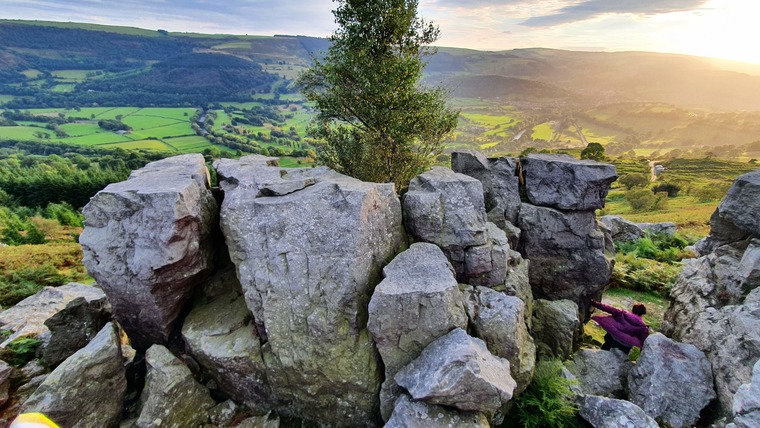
pixel 308 262
pixel 221 337
pixel 657 381
pixel 86 390
pixel 555 327
pixel 5 373
pixel 621 229
pixel 566 253
pixel 147 242
pixel 602 412
pixel 663 228
pixel 599 372
pixel 458 371
pixel 27 318
pixel 715 303
pixel 566 183
pixel 447 209
pixel 501 183
pixel 72 328
pixel 499 320
pixel 417 302
pixel 418 414
pixel 518 283
pixel 171 398
pixel 746 408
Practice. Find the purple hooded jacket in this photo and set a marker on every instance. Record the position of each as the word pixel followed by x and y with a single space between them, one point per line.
pixel 625 327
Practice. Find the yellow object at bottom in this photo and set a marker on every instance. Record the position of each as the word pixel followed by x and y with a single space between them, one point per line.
pixel 33 420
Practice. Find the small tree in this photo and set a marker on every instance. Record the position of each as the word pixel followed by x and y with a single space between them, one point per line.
pixel 634 180
pixel 593 151
pixel 377 122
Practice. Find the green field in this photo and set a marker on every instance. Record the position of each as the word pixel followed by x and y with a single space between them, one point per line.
pixel 542 131
pixel 4 98
pixel 71 75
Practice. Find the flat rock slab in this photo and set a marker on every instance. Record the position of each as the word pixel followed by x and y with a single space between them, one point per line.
pixel 147 241
pixel 457 370
pixel 602 412
pixel 566 183
pixel 600 372
pixel 408 413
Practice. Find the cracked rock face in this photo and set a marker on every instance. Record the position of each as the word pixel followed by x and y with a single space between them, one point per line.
pixel 147 242
pixel 741 206
pixel 408 413
pixel 308 261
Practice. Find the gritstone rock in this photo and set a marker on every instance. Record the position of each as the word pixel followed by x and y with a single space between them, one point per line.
pixel 308 262
pixel 499 320
pixel 518 283
pixel 417 302
pixel 601 372
pixel 222 339
pixel 741 206
pixel 73 327
pixel 555 327
pixel 603 412
pixel 621 229
pixel 746 406
pixel 566 253
pixel 5 373
pixel 672 382
pixel 408 413
pixel 86 390
pixel 501 185
pixel 458 371
pixel 147 241
pixel 566 183
pixel 664 228
pixel 27 317
pixel 171 397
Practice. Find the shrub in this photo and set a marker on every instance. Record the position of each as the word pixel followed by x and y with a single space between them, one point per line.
pixel 16 286
pixel 547 402
pixel 634 180
pixel 671 189
pixel 642 274
pixel 20 351
pixel 640 199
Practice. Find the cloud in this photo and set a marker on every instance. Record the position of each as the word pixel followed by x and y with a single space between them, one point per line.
pixel 592 8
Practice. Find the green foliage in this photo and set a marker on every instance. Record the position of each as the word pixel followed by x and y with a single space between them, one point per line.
pixel 640 199
pixel 20 351
pixel 593 151
pixel 16 286
pixel 671 189
pixel 709 193
pixel 547 402
pixel 17 231
pixel 64 214
pixel 375 119
pixel 629 181
pixel 642 274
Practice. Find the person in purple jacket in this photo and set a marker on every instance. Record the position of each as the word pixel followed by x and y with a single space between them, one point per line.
pixel 624 329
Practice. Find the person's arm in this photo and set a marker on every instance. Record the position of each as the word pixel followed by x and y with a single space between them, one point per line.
pixel 606 308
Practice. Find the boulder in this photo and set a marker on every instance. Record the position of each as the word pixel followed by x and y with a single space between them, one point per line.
pixel 308 262
pixel 657 381
pixel 621 229
pixel 266 421
pixel 486 265
pixel 566 183
pixel 417 302
pixel 5 373
pixel 600 372
pixel 408 413
pixel 741 206
pixel 664 228
pixel 555 327
pixel 27 318
pixel 148 241
pixel 746 408
pixel 602 412
pixel 171 397
pixel 223 413
pixel 566 253
pixel 722 232
pixel 458 371
pixel 518 283
pixel 499 320
pixel 73 327
pixel 86 390
pixel 501 183
pixel 221 337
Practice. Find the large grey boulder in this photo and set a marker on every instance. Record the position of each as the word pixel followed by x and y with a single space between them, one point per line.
pixel 221 337
pixel 566 253
pixel 621 229
pixel 171 397
pixel 671 381
pixel 600 372
pixel 501 183
pixel 408 413
pixel 147 242
pixel 722 232
pixel 602 412
pixel 458 371
pixel 307 263
pixel 73 327
pixel 5 374
pixel 663 228
pixel 499 320
pixel 555 327
pixel 27 318
pixel 741 206
pixel 746 408
pixel 566 183
pixel 417 302
pixel 86 390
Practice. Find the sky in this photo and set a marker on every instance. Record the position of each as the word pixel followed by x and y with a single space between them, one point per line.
pixel 716 28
